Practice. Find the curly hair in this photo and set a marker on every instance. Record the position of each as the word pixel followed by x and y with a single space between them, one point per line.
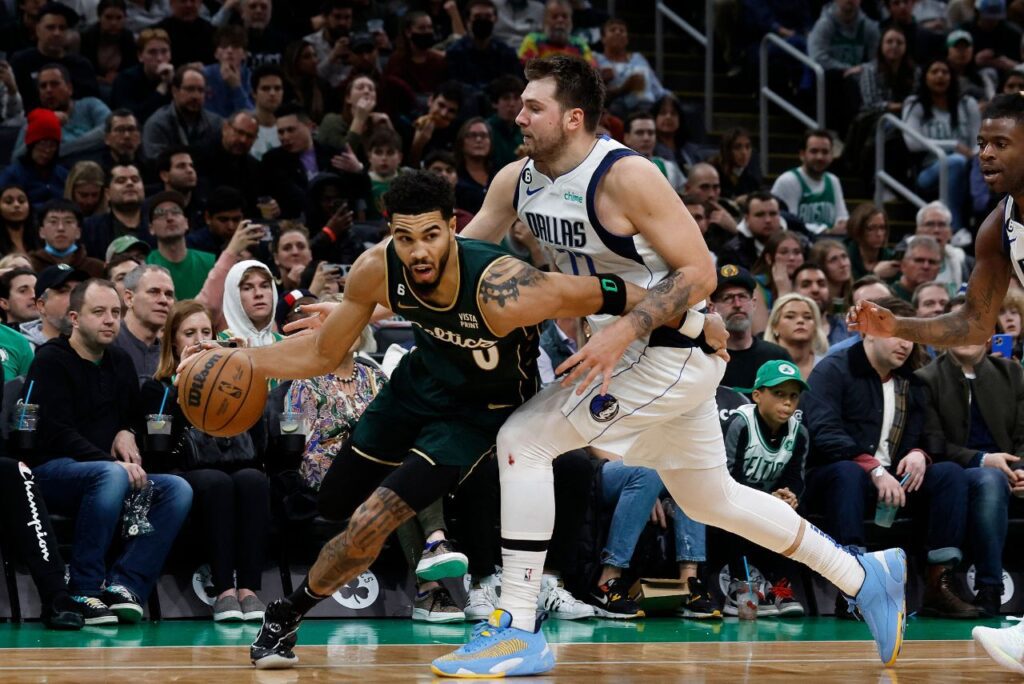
pixel 420 192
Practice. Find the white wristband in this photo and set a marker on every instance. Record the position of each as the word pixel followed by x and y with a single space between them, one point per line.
pixel 693 324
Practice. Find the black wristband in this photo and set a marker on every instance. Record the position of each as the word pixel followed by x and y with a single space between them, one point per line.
pixel 613 294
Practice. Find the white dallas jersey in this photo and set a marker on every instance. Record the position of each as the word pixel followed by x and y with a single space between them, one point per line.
pixel 1013 245
pixel 561 213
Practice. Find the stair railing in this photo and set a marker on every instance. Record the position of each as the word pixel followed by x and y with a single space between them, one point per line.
pixel 883 179
pixel 705 40
pixel 786 106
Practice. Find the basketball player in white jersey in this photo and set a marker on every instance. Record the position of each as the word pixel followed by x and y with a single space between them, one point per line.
pixel 999 255
pixel 639 390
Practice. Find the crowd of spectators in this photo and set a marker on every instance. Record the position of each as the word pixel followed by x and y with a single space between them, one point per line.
pixel 188 171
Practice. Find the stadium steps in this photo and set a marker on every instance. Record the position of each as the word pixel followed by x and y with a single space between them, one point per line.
pixel 736 104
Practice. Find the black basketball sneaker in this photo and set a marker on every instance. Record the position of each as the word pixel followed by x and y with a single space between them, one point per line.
pixel 272 649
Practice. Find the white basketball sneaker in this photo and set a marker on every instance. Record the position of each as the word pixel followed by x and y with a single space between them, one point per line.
pixel 1005 646
pixel 559 603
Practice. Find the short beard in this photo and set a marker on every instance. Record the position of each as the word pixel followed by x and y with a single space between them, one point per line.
pixel 550 152
pixel 737 324
pixel 63 326
pixel 126 207
pixel 429 288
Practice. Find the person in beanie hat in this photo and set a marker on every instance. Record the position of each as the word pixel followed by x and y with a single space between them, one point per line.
pixel 289 307
pixel 36 169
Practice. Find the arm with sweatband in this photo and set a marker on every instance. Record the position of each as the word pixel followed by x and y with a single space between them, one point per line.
pixel 693 324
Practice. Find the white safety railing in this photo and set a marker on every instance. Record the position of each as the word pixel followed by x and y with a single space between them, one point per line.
pixel 786 106
pixel 883 179
pixel 705 40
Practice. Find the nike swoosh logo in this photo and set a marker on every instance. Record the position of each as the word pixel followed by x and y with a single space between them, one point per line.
pixel 406 306
pixel 532 192
pixel 495 407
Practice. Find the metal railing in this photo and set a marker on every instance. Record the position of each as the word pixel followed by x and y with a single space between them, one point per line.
pixel 769 94
pixel 883 179
pixel 705 40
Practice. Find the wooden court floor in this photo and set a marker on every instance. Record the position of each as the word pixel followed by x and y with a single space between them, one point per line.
pixel 779 658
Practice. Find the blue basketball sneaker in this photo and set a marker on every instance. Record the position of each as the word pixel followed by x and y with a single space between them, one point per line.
pixel 882 600
pixel 498 649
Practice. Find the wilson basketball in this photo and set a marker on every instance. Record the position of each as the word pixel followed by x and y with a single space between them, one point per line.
pixel 220 394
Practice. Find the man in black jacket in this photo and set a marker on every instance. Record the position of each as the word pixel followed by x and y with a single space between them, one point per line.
pixel 87 460
pixel 229 163
pixel 25 526
pixel 146 87
pixel 52 25
pixel 865 412
pixel 125 197
pixel 286 171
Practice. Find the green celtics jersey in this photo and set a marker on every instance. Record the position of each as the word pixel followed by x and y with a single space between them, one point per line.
pixel 455 347
pixel 816 208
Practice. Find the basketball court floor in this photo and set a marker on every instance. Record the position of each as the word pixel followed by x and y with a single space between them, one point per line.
pixel 589 652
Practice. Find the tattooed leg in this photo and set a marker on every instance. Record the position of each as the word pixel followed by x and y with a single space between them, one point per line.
pixel 351 552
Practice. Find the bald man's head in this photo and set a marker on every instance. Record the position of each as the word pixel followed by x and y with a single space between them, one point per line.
pixel 703 182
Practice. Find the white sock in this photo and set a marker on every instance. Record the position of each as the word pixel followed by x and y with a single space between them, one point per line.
pixel 821 553
pixel 520 586
pixel 712 497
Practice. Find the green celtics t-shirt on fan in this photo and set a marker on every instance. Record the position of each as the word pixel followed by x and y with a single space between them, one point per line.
pixel 189 274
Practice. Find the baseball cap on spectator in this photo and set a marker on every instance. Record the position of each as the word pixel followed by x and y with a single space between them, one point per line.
pixel 361 42
pixel 290 303
pixel 165 196
pixel 55 276
pixel 70 15
pixel 125 243
pixel 991 9
pixel 42 125
pixel 731 274
pixel 773 373
pixel 959 36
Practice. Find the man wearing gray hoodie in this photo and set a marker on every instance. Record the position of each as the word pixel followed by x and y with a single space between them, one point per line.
pixel 841 41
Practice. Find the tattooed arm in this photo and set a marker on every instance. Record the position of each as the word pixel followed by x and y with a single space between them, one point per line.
pixel 343 558
pixel 973 323
pixel 513 294
pixel 635 198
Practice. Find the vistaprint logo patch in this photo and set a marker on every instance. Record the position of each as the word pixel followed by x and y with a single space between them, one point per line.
pixel 573 197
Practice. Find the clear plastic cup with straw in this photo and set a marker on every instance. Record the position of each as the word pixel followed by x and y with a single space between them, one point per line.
pixel 747 598
pixel 24 419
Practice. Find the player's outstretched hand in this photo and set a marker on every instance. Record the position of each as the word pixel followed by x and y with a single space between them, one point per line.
pixel 191 350
pixel 869 318
pixel 597 358
pixel 316 314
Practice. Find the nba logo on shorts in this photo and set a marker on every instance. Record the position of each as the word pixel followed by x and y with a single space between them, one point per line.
pixel 604 407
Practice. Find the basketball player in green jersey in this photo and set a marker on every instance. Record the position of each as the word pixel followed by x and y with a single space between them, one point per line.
pixel 475 310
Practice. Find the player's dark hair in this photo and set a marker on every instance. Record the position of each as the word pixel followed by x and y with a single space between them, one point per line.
pixel 1008 106
pixel 577 85
pixel 420 192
